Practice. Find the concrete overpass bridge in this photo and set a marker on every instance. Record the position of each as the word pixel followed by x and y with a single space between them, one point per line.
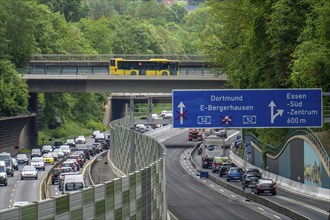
pixel 89 73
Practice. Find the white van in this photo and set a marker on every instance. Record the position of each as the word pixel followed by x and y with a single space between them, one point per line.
pixel 3 173
pixel 73 183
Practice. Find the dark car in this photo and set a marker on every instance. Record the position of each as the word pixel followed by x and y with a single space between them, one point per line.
pixel 15 164
pixel 224 168
pixel 22 158
pixel 86 152
pixel 265 186
pixel 80 153
pixel 250 178
pixel 55 175
pixel 92 150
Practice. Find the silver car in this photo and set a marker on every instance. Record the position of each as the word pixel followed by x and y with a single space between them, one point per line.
pixel 29 172
pixel 38 163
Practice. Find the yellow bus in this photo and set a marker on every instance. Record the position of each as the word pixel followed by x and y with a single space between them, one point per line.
pixel 152 67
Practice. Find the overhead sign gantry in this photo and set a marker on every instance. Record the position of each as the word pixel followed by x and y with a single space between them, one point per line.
pixel 248 108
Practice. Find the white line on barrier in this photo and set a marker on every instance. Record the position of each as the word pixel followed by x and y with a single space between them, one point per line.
pixel 233 195
pixel 277 216
pixel 261 209
pixel 212 185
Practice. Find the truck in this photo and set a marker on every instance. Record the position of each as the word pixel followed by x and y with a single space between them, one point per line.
pixel 211 148
pixel 195 134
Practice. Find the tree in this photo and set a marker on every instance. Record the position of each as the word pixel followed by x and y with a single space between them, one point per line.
pixel 98 33
pixel 311 58
pixel 180 12
pixel 72 10
pixel 17 29
pixel 13 91
pixel 137 37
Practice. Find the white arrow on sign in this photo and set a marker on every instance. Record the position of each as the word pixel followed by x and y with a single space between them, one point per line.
pixel 181 106
pixel 279 111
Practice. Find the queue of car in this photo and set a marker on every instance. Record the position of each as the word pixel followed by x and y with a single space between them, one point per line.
pixel 249 178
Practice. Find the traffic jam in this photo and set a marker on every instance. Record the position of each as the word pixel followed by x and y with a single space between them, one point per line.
pixel 213 156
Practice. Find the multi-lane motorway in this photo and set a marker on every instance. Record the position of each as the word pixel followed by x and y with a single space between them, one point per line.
pixel 188 196
pixel 21 190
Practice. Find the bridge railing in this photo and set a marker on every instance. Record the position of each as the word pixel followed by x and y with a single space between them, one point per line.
pixel 106 57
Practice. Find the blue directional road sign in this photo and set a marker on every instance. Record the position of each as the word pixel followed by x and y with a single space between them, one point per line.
pixel 258 108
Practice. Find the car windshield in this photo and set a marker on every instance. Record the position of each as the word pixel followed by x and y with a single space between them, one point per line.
pixel 65 148
pixel 47 147
pixel 2 169
pixel 21 156
pixel 66 169
pixel 35 150
pixel 29 168
pixel 47 155
pixel 74 186
pixel 253 174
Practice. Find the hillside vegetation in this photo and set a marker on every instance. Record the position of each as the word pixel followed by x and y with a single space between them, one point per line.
pixel 258 44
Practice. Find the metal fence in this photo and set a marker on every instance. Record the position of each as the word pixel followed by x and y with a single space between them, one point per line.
pixel 107 57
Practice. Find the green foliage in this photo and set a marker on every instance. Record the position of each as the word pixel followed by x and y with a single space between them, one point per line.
pixel 311 63
pixel 137 37
pixel 72 10
pixel 17 30
pixel 92 125
pixel 13 91
pixel 99 33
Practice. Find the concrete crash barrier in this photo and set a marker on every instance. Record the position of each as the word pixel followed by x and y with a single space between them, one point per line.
pixel 286 183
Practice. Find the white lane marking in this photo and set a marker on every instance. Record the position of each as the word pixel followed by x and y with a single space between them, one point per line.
pixel 193 173
pixel 304 204
pixel 13 190
pixel 211 185
pixel 277 216
pixel 233 195
pixel 221 190
pixel 204 181
pixel 12 195
pixel 261 209
pixel 230 136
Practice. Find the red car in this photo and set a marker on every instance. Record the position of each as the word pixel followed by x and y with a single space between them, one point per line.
pixel 194 134
pixel 78 158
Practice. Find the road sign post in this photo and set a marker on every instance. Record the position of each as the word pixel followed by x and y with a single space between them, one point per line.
pixel 258 108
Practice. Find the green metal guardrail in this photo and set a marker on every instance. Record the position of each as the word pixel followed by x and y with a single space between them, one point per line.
pixel 306 132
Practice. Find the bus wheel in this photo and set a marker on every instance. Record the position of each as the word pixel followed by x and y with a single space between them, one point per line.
pixel 164 73
pixel 133 73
